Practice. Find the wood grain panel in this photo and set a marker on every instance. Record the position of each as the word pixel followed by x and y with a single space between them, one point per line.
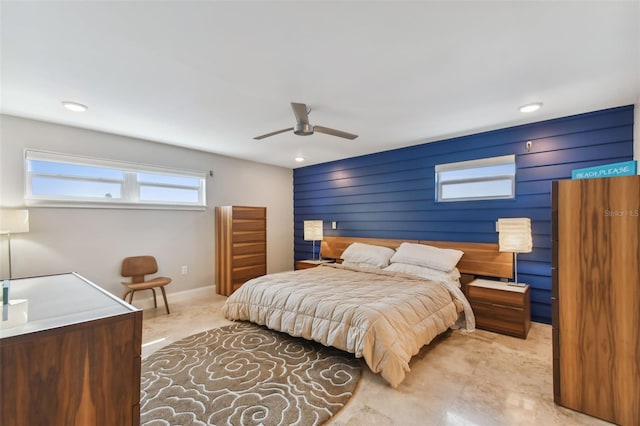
pixel 503 310
pixel 224 245
pixel 245 273
pixel 478 259
pixel 249 236
pixel 555 315
pixel 242 226
pixel 332 247
pixel 241 246
pixel 501 319
pixel 250 260
pixel 505 298
pixel 301 264
pixel 249 248
pixel 599 297
pixel 76 375
pixel 249 213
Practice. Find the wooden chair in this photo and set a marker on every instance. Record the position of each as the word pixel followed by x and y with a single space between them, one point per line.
pixel 137 267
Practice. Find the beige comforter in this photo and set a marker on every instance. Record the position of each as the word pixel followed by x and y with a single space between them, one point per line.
pixel 384 317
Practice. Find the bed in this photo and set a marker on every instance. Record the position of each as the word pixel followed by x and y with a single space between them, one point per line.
pixel 384 316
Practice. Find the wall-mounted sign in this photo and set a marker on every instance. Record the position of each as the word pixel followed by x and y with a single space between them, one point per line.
pixel 608 170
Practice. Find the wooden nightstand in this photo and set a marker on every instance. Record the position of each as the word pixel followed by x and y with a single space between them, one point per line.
pixel 306 264
pixel 500 307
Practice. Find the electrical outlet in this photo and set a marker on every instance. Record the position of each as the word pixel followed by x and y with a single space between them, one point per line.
pixel 185 269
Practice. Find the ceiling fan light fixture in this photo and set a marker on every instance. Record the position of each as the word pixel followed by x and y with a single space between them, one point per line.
pixel 74 106
pixel 531 107
pixel 303 129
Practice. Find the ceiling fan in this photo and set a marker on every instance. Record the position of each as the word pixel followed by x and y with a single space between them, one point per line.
pixel 304 128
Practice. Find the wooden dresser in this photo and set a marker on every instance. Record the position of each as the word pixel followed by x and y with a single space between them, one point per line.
pixel 500 307
pixel 241 246
pixel 596 297
pixel 70 354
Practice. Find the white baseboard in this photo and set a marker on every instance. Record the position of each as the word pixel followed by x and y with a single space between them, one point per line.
pixel 144 299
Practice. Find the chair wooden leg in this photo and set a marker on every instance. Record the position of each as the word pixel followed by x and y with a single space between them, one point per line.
pixel 164 295
pixel 131 296
pixel 155 302
pixel 125 294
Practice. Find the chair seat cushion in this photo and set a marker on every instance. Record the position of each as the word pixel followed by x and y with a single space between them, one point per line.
pixel 156 282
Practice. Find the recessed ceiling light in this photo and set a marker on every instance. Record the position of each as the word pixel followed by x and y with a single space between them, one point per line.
pixel 299 159
pixel 74 106
pixel 531 107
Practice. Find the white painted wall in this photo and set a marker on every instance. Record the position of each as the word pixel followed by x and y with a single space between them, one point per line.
pixel 93 242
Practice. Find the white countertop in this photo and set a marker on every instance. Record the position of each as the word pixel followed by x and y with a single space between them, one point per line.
pixel 498 285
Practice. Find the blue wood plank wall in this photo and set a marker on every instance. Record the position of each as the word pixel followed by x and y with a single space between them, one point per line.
pixel 391 194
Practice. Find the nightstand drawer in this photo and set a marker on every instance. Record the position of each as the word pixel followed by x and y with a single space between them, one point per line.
pixel 499 297
pixel 500 318
pixel 499 307
pixel 306 264
pixel 301 264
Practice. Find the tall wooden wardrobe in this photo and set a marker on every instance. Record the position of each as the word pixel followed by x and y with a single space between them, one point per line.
pixel 596 297
pixel 241 246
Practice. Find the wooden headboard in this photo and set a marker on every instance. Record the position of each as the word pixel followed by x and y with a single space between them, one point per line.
pixel 478 259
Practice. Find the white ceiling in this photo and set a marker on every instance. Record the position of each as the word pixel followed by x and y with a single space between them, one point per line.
pixel 212 75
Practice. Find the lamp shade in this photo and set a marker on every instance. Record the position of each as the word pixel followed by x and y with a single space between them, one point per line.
pixel 515 235
pixel 13 221
pixel 312 230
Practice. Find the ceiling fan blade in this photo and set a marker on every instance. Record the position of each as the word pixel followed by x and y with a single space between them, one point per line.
pixel 334 132
pixel 273 133
pixel 301 112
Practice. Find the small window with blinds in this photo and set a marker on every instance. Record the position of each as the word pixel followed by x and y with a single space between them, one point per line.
pixel 483 179
pixel 54 179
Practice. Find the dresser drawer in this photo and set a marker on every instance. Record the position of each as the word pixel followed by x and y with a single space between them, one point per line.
pixel 238 249
pixel 248 225
pixel 258 259
pixel 241 246
pixel 249 236
pixel 249 213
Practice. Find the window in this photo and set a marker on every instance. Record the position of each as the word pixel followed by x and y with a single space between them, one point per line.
pixel 482 179
pixel 66 180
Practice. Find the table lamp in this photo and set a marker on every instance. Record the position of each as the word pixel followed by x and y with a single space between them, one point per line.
pixel 313 232
pixel 13 221
pixel 514 236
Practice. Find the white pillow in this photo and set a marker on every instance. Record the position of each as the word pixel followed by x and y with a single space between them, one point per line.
pixel 429 256
pixel 359 264
pixel 424 272
pixel 376 256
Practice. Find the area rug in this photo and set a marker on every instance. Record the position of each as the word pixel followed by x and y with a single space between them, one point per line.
pixel 244 374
